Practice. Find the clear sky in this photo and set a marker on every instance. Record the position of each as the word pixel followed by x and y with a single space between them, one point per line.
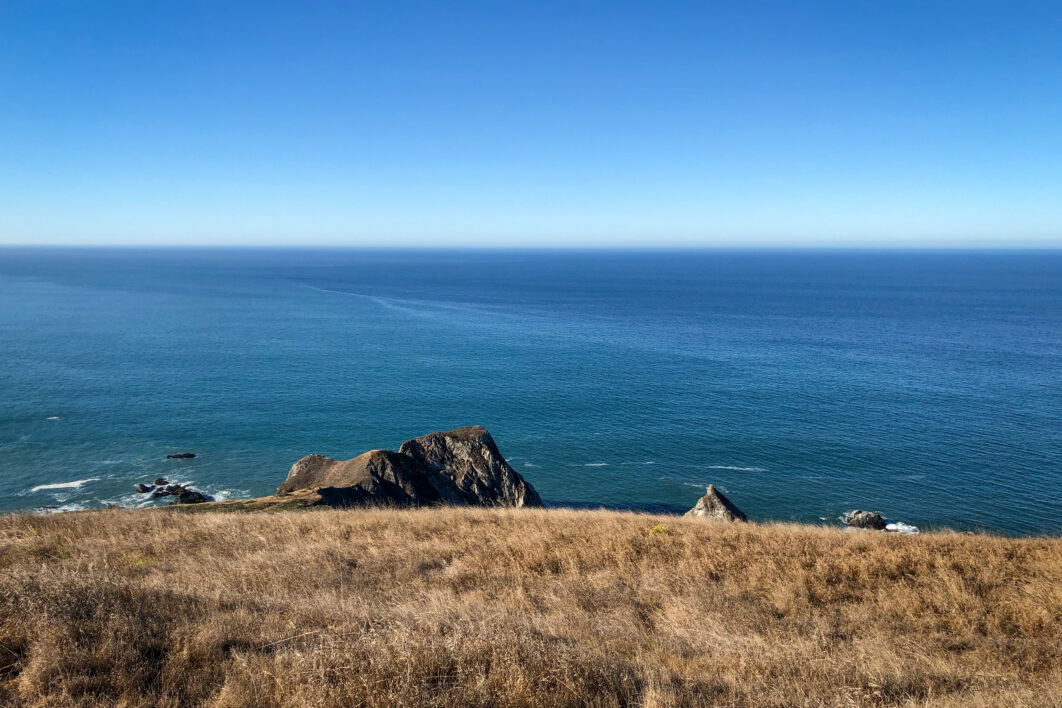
pixel 542 123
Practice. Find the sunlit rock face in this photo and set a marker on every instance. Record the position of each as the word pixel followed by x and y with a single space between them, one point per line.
pixel 714 505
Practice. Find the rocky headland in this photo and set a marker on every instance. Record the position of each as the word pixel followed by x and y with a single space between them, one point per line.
pixel 460 467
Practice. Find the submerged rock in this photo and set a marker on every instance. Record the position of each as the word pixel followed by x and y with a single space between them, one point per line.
pixel 161 482
pixel 461 467
pixel 715 505
pixel 144 488
pixel 181 456
pixel 866 520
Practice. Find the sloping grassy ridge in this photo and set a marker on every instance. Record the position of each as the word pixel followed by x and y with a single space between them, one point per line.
pixel 453 607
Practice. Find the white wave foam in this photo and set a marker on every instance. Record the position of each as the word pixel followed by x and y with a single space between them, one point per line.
pixel 890 525
pixel 60 509
pixel 737 469
pixel 226 494
pixel 528 464
pixel 702 485
pixel 52 417
pixel 596 464
pixel 64 485
pixel 126 501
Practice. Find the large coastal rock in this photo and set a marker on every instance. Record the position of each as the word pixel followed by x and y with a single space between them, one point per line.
pixel 715 505
pixel 866 520
pixel 375 476
pixel 467 468
pixel 190 496
pixel 461 467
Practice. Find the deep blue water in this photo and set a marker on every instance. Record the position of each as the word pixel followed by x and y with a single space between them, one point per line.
pixel 924 385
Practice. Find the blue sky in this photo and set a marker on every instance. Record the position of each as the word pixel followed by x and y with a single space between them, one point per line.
pixel 547 123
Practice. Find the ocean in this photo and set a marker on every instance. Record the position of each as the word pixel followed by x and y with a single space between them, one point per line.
pixel 925 385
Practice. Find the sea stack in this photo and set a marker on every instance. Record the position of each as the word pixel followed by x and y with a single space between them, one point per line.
pixel 714 505
pixel 462 467
pixel 866 520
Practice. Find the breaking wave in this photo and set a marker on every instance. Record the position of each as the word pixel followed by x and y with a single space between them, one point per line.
pixel 64 485
pixel 737 469
pixel 60 509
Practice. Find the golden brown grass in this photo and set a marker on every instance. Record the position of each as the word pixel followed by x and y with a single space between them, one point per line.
pixel 486 607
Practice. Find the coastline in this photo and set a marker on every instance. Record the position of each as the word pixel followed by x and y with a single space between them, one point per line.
pixel 305 500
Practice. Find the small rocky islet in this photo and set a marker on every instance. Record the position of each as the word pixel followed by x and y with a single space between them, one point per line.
pixel 460 467
pixel 714 505
pixel 182 494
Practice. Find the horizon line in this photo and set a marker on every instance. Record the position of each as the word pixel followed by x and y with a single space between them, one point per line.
pixel 532 247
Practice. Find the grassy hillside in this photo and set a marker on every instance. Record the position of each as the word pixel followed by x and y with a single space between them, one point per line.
pixel 528 607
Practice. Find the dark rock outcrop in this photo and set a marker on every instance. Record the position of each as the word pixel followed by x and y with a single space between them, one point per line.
pixel 866 520
pixel 162 488
pixel 469 469
pixel 183 494
pixel 190 496
pixel 377 475
pixel 714 505
pixel 181 456
pixel 461 467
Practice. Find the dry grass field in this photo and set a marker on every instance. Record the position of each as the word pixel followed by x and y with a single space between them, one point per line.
pixel 517 607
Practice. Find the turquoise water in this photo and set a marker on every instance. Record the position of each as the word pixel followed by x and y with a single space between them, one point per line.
pixel 924 385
